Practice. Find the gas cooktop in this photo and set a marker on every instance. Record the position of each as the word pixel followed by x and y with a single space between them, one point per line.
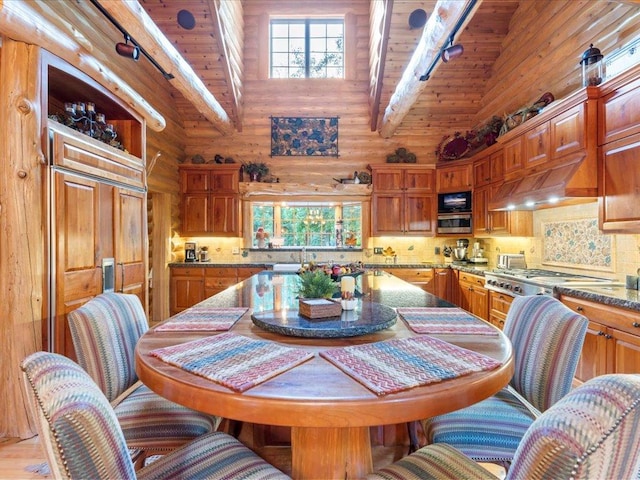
pixel 532 281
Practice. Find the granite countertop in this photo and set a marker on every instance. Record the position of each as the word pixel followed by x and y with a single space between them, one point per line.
pixel 615 296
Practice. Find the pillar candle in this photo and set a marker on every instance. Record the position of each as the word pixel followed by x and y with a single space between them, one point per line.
pixel 347 284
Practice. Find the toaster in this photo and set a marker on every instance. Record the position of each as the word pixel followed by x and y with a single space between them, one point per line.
pixel 510 261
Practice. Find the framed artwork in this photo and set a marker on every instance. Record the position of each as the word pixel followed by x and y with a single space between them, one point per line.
pixel 577 244
pixel 304 136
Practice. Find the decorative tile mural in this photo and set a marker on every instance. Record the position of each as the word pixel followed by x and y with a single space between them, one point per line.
pixel 577 244
pixel 304 136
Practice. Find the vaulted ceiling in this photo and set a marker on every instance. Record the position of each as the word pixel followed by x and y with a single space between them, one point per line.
pixel 457 94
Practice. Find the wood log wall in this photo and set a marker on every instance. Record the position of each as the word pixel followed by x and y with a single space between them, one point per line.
pixel 540 53
pixel 358 145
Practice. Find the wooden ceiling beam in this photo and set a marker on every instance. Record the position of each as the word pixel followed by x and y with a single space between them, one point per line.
pixel 24 22
pixel 228 27
pixel 381 14
pixel 137 23
pixel 446 14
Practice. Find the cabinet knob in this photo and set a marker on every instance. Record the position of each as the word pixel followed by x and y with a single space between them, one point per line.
pixel 635 324
pixel 601 334
pixel 580 309
pixel 608 336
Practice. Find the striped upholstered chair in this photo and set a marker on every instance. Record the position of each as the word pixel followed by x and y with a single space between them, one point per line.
pixel 590 434
pixel 105 331
pixel 547 338
pixel 82 437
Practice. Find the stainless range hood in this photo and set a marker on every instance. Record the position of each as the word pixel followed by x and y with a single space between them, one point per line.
pixel 552 183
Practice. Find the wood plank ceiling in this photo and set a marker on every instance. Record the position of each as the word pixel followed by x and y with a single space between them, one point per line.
pixel 453 99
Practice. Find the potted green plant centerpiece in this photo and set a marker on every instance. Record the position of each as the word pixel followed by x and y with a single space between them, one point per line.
pixel 256 170
pixel 315 292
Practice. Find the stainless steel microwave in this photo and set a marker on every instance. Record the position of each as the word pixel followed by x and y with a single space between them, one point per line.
pixel 454 223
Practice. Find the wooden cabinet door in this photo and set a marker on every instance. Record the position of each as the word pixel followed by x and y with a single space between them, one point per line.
pixel 619 112
pixel 224 217
pixel 513 160
pixel 387 213
pixel 536 145
pixel 225 181
pixel 130 242
pixel 388 179
pixel 419 180
pixel 442 284
pixel 481 210
pixel 187 288
pixel 419 214
pixel 195 213
pixel 568 132
pixel 593 358
pixel 78 245
pixel 482 171
pixel 620 195
pixel 454 178
pixel 625 352
pixel 195 181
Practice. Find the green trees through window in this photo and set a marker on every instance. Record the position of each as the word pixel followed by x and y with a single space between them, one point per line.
pixel 309 225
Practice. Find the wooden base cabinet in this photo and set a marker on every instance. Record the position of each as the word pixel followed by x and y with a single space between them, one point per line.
pixel 436 281
pixel 191 285
pixel 612 344
pixel 499 304
pixel 473 297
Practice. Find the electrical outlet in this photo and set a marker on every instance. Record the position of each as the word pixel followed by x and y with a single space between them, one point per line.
pixel 235 250
pixel 437 251
pixel 377 250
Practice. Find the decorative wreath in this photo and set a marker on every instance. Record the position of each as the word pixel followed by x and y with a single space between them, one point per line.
pixel 453 147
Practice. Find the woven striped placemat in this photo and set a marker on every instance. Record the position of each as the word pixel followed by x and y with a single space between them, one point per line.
pixel 395 365
pixel 438 320
pixel 203 319
pixel 232 360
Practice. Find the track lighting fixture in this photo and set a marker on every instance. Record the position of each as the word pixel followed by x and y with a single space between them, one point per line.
pixel 451 52
pixel 128 50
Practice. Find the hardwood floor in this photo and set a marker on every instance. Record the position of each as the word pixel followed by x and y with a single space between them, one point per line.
pixel 17 455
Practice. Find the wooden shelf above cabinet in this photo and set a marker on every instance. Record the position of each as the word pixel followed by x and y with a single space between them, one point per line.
pixel 251 189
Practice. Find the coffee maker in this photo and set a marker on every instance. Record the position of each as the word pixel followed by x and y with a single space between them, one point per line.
pixel 190 252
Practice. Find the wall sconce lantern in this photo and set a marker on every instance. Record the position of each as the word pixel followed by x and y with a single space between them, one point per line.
pixel 592 67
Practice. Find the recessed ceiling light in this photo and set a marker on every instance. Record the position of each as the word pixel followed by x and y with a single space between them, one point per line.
pixel 186 19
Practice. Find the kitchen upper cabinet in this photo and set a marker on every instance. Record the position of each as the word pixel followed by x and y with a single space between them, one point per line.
pixel 619 135
pixel 517 223
pixel 454 178
pixel 488 167
pixel 403 200
pixel 513 157
pixel 612 343
pixel 210 200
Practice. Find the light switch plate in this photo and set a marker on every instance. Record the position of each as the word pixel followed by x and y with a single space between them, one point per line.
pixel 377 250
pixel 235 250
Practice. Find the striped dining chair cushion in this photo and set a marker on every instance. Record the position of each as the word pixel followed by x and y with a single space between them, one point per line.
pixel 592 433
pixel 83 438
pixel 432 463
pixel 80 431
pixel 105 331
pixel 547 338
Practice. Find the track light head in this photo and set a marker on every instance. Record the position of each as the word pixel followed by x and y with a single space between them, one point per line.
pixel 128 50
pixel 454 51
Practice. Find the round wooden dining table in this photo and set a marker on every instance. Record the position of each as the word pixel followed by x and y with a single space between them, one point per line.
pixel 329 412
